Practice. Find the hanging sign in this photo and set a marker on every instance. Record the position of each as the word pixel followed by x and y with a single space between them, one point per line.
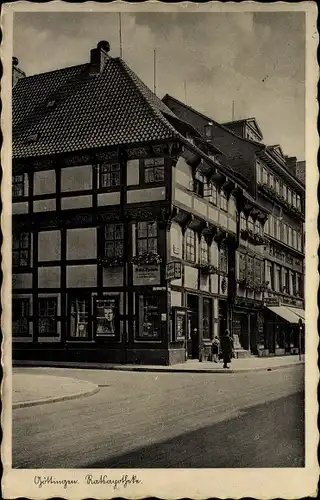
pixel 173 270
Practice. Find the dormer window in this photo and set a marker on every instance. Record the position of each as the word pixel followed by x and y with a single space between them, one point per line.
pixel 33 138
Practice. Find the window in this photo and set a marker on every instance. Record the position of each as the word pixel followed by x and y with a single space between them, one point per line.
pixel 249 267
pixel 294 199
pixel 21 249
pixel 277 186
pixel 190 245
pixel 153 170
pixel 277 229
pixel 149 317
pixel 290 236
pixel 147 237
pixel 113 240
pixel 204 251
pixel 270 180
pixel 298 202
pixel 299 286
pixel 20 317
pixel 223 260
pixel 264 176
pixel 284 191
pixel 294 239
pixel 270 276
pixel 250 224
pixel 207 190
pixel 199 184
pixel 279 278
pixel 271 225
pixel 180 325
pixel 79 318
pixel 258 173
pixel 109 175
pixel 285 234
pixel 299 242
pixel 289 196
pixel 47 317
pixel 232 206
pixel 208 130
pixel 242 266
pixel 257 270
pixel 223 201
pixel 106 316
pixel 214 194
pixel 266 226
pixel 243 222
pixel 286 280
pixel 257 227
pixel 18 185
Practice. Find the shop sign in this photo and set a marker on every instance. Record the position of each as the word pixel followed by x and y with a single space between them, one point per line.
pixel 272 301
pixel 173 270
pixel 146 274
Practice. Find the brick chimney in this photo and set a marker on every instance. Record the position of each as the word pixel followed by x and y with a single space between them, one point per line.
pixel 17 73
pixel 99 57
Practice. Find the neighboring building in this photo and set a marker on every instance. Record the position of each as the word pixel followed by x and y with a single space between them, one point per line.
pixel 123 250
pixel 265 322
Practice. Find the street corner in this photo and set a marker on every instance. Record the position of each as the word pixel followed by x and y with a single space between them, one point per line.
pixel 36 389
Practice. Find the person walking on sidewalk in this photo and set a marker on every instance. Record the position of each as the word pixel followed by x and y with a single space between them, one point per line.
pixel 215 349
pixel 226 348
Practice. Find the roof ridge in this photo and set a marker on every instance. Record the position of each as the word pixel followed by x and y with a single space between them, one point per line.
pixel 58 70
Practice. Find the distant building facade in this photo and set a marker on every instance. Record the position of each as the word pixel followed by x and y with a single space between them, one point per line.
pixel 277 183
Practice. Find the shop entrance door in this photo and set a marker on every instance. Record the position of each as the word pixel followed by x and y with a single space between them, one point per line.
pixel 193 326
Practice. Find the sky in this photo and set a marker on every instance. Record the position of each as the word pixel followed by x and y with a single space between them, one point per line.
pixel 255 59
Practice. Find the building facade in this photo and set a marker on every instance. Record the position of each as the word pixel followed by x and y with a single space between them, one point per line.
pixel 129 224
pixel 270 277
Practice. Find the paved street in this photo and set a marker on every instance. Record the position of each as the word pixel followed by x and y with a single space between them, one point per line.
pixel 166 420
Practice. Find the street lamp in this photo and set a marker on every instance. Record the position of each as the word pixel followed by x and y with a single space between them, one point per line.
pixel 300 335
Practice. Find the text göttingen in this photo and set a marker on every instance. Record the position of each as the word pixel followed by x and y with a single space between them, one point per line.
pixel 123 482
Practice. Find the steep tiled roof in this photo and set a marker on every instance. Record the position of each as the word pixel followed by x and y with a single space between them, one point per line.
pixel 71 110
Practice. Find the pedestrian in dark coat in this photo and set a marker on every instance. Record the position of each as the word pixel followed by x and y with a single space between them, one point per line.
pixel 226 345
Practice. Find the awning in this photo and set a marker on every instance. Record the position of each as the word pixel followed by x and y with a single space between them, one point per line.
pixel 285 313
pixel 298 312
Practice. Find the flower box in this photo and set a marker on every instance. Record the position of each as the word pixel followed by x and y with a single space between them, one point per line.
pixel 111 261
pixel 208 269
pixel 147 258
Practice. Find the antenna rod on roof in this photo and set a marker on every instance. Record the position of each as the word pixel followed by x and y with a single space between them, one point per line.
pixel 154 71
pixel 120 34
pixel 233 111
pixel 185 92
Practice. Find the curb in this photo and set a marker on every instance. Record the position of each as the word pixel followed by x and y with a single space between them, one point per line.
pixel 141 368
pixel 66 397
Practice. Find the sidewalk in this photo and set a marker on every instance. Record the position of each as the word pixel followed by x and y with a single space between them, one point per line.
pixel 191 366
pixel 33 389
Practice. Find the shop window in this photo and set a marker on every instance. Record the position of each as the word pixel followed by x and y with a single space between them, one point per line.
pixel 180 325
pixel 190 245
pixel 223 201
pixel 20 317
pixel 109 175
pixel 21 250
pixel 106 316
pixel 243 221
pixel 47 317
pixel 147 237
pixel 204 251
pixel 149 317
pixel 113 240
pixel 207 318
pixel 79 318
pixel 19 185
pixel 223 259
pixel 153 170
pixel 242 266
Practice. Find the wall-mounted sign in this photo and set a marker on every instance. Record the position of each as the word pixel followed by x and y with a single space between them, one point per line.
pixel 146 274
pixel 159 288
pixel 173 270
pixel 272 301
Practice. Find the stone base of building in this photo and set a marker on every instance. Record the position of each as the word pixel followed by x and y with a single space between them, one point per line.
pixel 164 357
